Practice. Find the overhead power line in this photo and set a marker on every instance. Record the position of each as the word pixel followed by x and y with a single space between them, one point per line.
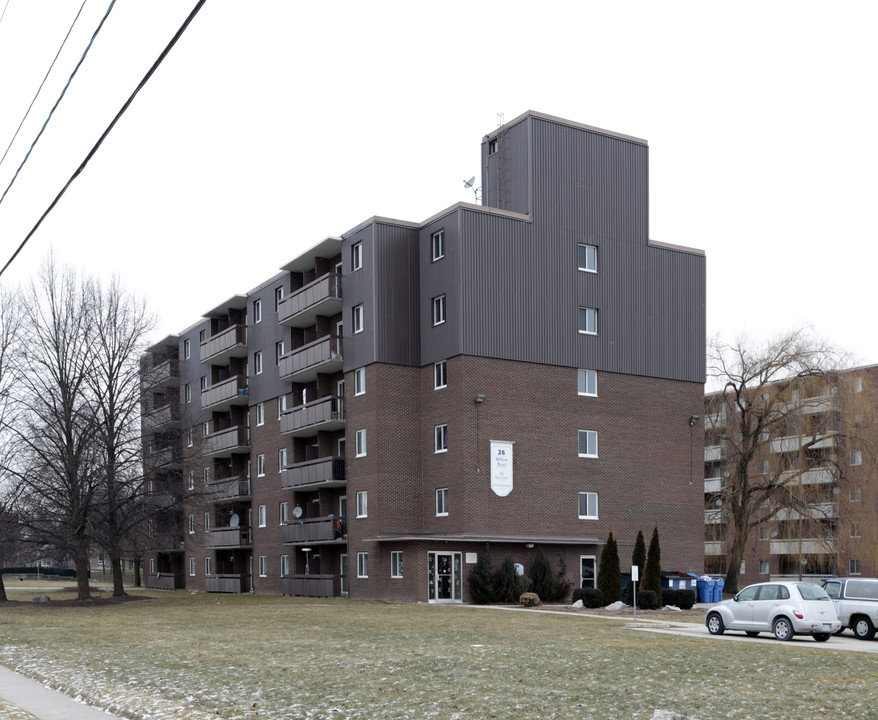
pixel 40 88
pixel 106 132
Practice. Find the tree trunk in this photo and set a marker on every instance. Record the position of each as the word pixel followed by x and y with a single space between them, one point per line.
pixel 116 567
pixel 3 597
pixel 735 556
pixel 137 571
pixel 82 586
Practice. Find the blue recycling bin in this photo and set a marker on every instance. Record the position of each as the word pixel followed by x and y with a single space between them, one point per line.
pixel 705 590
pixel 718 590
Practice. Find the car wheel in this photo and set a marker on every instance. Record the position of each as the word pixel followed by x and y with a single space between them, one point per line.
pixel 752 633
pixel 821 637
pixel 715 624
pixel 863 628
pixel 782 629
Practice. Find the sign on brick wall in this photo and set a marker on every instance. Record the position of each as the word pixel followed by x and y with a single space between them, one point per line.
pixel 501 467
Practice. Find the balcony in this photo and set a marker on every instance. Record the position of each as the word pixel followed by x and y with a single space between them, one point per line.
pixel 236 584
pixel 714 485
pixel 225 443
pixel 714 547
pixel 225 394
pixel 320 297
pixel 162 499
pixel 324 472
pixel 230 537
pixel 165 542
pixel 166 458
pixel 163 418
pixel 327 413
pixel 161 581
pixel 818 404
pixel 165 374
pixel 814 476
pixel 310 585
pixel 810 546
pixel 712 517
pixel 715 420
pixel 794 443
pixel 229 343
pixel 313 530
pixel 712 453
pixel 227 490
pixel 305 363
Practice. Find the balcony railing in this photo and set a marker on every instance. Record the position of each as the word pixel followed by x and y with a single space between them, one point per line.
pixel 303 364
pixel 229 343
pixel 165 542
pixel 163 417
pixel 225 443
pixel 310 585
pixel 161 581
pixel 164 458
pixel 712 453
pixel 714 547
pixel 326 472
pixel 225 394
pixel 320 297
pixel 792 443
pixel 165 374
pixel 235 488
pixel 714 485
pixel 323 529
pixel 809 546
pixel 230 537
pixel 236 584
pixel 306 420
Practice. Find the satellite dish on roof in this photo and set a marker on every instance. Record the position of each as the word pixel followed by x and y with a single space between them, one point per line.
pixel 234 521
pixel 469 183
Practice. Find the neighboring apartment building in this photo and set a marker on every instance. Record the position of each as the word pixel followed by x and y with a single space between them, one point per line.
pixel 499 378
pixel 819 458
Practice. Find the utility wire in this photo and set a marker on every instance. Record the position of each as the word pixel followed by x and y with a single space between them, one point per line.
pixel 106 132
pixel 40 88
pixel 58 101
pixel 3 14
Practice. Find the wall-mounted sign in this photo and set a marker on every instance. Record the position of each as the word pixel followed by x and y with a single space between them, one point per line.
pixel 501 467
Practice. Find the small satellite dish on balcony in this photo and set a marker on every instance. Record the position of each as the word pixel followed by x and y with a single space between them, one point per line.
pixel 234 521
pixel 297 512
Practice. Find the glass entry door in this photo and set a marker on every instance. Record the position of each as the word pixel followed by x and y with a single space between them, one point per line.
pixel 444 576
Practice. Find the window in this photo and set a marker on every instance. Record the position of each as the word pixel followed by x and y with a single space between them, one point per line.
pixel 362 504
pixel 855 530
pixel 763 532
pixel 341 447
pixel 856 457
pixel 440 375
pixel 206 521
pixel 587 382
pixel 492 146
pixel 206 477
pixel 257 362
pixel 396 564
pixel 278 296
pixel 764 567
pixel 356 256
pixel 281 405
pixel 587 574
pixel 440 436
pixel 260 414
pixel 856 494
pixel 283 512
pixel 853 566
pixel 191 479
pixel 441 502
pixel 203 383
pixel 437 243
pixel 362 565
pixel 262 516
pixel 357 318
pixel 765 467
pixel 152 566
pixel 281 459
pixel 205 429
pixel 588 506
pixel 257 311
pixel 284 565
pixel 187 349
pixel 588 443
pixel 588 321
pixel 361 443
pixel 438 310
pixel 192 567
pixel 208 566
pixel 187 392
pixel 279 352
pixel 359 381
pixel 858 384
pixel 189 441
pixel 202 336
pixel 263 566
pixel 191 524
pixel 260 465
pixel 588 258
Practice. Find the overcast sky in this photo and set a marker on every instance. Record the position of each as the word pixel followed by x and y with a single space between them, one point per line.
pixel 274 124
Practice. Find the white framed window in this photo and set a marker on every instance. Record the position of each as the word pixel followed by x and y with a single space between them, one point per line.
pixel 856 494
pixel 765 467
pixel 396 564
pixel 858 384
pixel 187 349
pixel 587 382
pixel 206 475
pixel 587 257
pixel 260 414
pixel 493 145
pixel 359 381
pixel 278 296
pixel 356 256
pixel 283 512
pixel 257 362
pixel 281 459
pixel 362 564
pixel 152 566
pixel 189 440
pixel 202 336
pixel 284 565
pixel 437 245
pixel 442 502
pixel 260 465
pixel 279 352
pixel 855 530
pixel 764 567
pixel 191 524
pixel 357 318
pixel 281 405
pixel 363 504
pixel 588 506
pixel 208 566
pixel 192 567
pixel 440 375
pixel 588 321
pixel 257 311
pixel 263 566
pixel 361 443
pixel 853 566
pixel 187 392
pixel 856 457
pixel 203 383
pixel 587 575
pixel 262 516
pixel 205 429
pixel 340 447
pixel 763 532
pixel 438 310
pixel 440 438
pixel 191 483
pixel 206 521
pixel 588 443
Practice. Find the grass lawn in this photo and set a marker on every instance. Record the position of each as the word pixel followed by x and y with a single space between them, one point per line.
pixel 181 655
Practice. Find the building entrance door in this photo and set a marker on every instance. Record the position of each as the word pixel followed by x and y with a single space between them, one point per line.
pixel 443 571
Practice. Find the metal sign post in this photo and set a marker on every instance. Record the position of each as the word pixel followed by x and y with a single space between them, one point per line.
pixel 635 576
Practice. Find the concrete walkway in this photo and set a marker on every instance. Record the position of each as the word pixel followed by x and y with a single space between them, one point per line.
pixel 45 703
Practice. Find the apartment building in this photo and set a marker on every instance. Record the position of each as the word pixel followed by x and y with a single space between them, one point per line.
pixel 813 472
pixel 499 378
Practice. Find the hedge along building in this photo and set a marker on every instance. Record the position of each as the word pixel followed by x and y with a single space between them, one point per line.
pixel 499 378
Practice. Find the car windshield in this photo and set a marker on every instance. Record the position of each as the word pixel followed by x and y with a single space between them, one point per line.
pixel 812 592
